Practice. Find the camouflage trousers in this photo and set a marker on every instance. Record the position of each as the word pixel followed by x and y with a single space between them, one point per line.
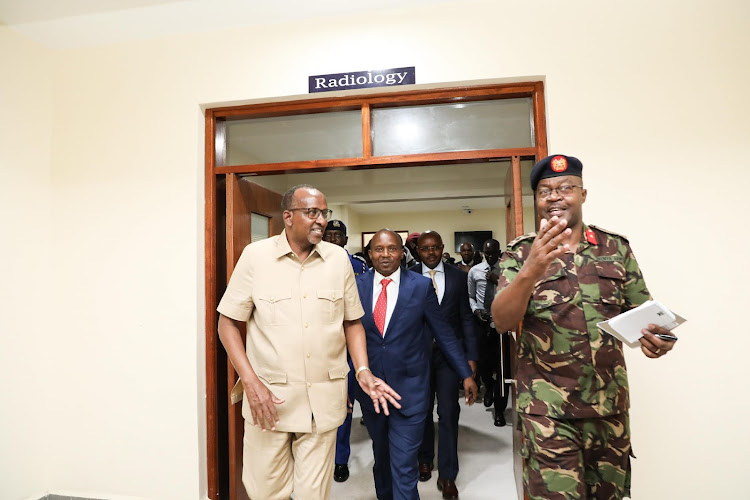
pixel 580 459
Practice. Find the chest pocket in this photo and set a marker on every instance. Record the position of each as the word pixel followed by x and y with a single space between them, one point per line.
pixel 551 291
pixel 611 282
pixel 273 308
pixel 331 304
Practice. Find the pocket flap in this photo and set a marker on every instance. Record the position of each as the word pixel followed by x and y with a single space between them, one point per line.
pixel 275 295
pixel 272 376
pixel 338 372
pixel 558 271
pixel 611 270
pixel 332 295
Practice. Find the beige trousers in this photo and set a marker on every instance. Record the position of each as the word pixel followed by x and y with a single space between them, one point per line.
pixel 275 464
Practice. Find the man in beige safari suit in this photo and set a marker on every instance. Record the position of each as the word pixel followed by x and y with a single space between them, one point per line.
pixel 300 301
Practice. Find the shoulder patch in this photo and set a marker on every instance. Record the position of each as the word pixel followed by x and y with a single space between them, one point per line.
pixel 607 231
pixel 521 238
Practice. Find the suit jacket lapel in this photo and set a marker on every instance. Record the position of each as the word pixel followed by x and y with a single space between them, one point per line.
pixel 365 295
pixel 449 286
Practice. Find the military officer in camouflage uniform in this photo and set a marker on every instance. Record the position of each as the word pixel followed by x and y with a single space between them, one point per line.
pixel 571 378
pixel 336 233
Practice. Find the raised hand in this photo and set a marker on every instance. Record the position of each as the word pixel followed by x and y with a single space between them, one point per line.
pixel 548 245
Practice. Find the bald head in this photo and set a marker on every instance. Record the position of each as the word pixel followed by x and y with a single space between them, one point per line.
pixel 386 251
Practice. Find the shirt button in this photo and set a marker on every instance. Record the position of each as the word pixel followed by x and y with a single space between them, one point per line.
pixel 308 354
pixel 309 385
pixel 304 296
pixel 306 325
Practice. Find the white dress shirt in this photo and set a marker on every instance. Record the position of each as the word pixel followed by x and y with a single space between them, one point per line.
pixel 439 278
pixel 392 294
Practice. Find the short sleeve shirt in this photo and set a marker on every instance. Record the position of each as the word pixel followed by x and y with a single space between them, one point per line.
pixel 567 367
pixel 295 313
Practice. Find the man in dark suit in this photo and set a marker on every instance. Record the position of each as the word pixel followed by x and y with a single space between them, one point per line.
pixel 452 291
pixel 402 318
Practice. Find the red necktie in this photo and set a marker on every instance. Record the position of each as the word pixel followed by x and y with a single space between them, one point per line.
pixel 380 306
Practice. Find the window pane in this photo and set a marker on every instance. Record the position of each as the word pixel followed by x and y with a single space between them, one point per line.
pixel 497 124
pixel 260 227
pixel 318 136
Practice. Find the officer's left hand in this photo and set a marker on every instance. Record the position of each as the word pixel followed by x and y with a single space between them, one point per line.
pixel 470 390
pixel 651 345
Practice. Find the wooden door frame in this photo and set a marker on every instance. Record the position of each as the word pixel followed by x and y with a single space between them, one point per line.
pixel 215 154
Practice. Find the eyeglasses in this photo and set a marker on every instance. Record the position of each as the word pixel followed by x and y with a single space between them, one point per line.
pixel 564 190
pixel 432 248
pixel 392 249
pixel 314 213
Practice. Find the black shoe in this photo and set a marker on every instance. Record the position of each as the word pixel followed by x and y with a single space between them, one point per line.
pixel 499 419
pixel 340 473
pixel 489 397
pixel 425 471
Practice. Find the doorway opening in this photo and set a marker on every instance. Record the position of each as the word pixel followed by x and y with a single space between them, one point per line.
pixel 448 159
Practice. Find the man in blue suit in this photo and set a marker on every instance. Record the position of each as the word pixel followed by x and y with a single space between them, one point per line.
pixel 452 290
pixel 402 319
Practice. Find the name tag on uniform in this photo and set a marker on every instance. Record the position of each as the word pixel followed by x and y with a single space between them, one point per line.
pixel 610 258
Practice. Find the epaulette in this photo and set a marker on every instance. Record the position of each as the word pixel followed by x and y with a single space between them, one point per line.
pixel 521 238
pixel 360 258
pixel 611 233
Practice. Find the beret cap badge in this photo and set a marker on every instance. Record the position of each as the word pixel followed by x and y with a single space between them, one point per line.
pixel 559 164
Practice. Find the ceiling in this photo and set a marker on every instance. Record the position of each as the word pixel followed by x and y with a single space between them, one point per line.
pixel 64 24
pixel 459 187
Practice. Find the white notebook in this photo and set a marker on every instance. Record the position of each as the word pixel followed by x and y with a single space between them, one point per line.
pixel 628 325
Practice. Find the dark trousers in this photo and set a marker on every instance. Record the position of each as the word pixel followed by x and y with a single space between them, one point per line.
pixel 488 364
pixel 443 382
pixel 395 442
pixel 345 430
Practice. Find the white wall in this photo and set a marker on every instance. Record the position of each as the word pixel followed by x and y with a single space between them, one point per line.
pixel 26 297
pixel 650 95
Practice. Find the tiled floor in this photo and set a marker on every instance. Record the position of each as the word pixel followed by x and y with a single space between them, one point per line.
pixel 485 458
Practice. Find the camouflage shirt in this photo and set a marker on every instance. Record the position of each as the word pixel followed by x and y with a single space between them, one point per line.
pixel 567 367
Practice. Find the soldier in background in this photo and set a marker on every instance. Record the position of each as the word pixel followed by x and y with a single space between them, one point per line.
pixel 571 379
pixel 336 233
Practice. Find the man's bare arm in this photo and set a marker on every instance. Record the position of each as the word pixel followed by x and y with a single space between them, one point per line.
pixel 262 401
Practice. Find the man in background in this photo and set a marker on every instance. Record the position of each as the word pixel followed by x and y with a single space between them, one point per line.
pixel 450 285
pixel 482 285
pixel 336 234
pixel 466 250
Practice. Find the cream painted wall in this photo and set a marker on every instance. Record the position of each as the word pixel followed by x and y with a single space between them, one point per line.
pixel 25 295
pixel 648 94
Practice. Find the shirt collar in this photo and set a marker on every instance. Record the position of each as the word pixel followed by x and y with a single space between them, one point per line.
pixel 439 268
pixel 396 276
pixel 283 248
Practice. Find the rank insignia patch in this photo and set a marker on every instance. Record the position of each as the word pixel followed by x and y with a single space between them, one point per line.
pixel 590 236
